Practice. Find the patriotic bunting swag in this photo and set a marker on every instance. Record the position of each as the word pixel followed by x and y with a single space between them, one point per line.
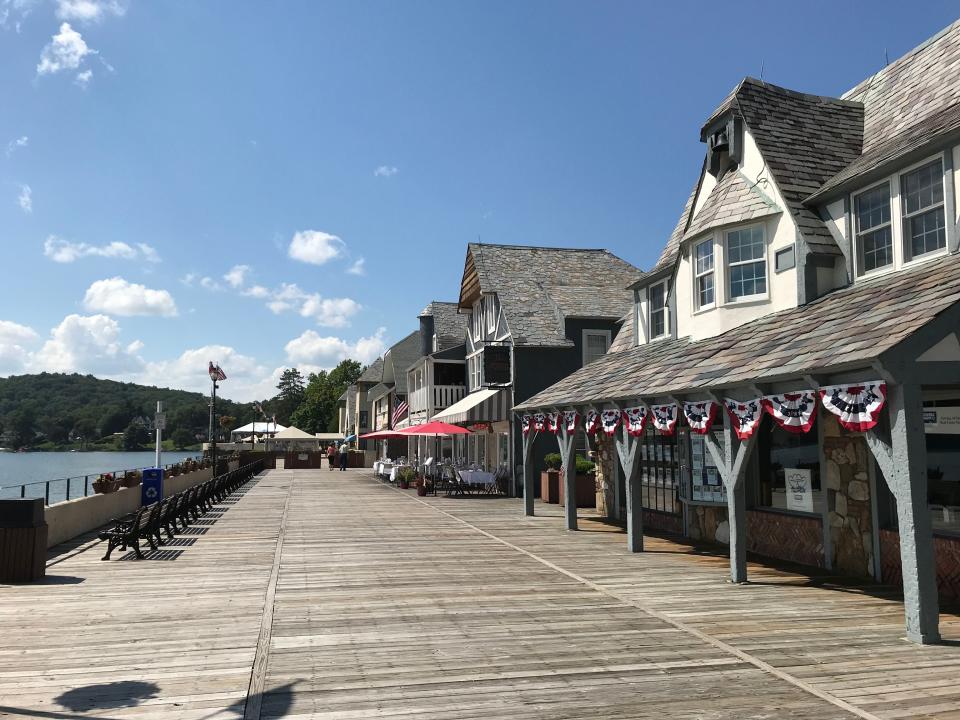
pixel 636 420
pixel 570 420
pixel 857 406
pixel 539 422
pixel 793 412
pixel 527 424
pixel 553 423
pixel 745 416
pixel 664 417
pixel 592 423
pixel 610 420
pixel 700 415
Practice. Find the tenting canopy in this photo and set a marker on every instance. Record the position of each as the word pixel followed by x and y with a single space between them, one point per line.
pixel 484 405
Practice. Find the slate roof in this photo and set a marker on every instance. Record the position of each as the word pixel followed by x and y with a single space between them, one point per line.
pixel 734 199
pixel 378 391
pixel 624 338
pixel 845 329
pixel 402 355
pixel 537 287
pixel 373 373
pixel 914 101
pixel 449 325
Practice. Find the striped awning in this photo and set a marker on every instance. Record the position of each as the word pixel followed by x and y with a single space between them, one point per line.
pixel 484 405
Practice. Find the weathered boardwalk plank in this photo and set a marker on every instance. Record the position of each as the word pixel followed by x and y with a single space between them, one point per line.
pixel 385 605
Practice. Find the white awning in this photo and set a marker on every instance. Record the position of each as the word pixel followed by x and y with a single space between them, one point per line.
pixel 484 405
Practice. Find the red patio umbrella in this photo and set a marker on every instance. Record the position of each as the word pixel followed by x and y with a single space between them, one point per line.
pixel 382 435
pixel 434 428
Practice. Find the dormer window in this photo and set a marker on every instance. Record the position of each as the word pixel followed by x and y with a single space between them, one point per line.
pixel 874 232
pixel 924 226
pixel 703 272
pixel 657 302
pixel 746 263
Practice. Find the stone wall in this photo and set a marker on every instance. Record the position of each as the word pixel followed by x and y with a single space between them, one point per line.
pixel 709 523
pixel 605 459
pixel 848 495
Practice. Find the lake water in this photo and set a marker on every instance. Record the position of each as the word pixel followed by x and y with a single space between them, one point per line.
pixel 19 468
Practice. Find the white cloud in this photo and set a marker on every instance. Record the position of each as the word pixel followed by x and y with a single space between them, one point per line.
pixel 257 291
pixel 237 276
pixel 315 247
pixel 15 342
pixel 83 78
pixel 386 171
pixel 359 267
pixel 116 296
pixel 63 251
pixel 87 344
pixel 313 349
pixel 16 144
pixel 25 199
pixel 208 283
pixel 246 378
pixel 188 279
pixel 89 10
pixel 65 51
pixel 330 312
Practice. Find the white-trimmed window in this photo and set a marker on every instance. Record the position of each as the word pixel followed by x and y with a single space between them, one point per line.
pixel 657 310
pixel 746 263
pixel 474 367
pixel 478 320
pixel 874 230
pixel 922 208
pixel 595 345
pixel 490 310
pixel 703 273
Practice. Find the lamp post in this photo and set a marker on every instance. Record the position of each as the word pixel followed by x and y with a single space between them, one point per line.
pixel 216 374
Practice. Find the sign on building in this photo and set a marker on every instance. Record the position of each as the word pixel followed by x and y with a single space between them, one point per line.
pixel 799 487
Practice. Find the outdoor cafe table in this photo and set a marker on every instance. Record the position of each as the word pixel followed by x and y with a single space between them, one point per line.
pixel 395 470
pixel 476 477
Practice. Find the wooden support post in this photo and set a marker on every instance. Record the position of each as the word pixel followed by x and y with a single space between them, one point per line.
pixel 565 441
pixel 628 450
pixel 902 458
pixel 528 478
pixel 731 463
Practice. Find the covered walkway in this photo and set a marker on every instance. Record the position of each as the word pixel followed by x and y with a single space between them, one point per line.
pixel 332 596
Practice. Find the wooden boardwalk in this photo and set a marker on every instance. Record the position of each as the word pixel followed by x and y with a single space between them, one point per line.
pixel 329 595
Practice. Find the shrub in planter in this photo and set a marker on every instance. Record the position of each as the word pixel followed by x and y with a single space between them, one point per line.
pixel 405 476
pixel 553 461
pixel 584 466
pixel 423 486
pixel 106 483
pixel 131 478
pixel 173 470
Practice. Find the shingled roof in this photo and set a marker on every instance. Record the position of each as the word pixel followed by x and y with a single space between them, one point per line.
pixel 449 325
pixel 845 329
pixel 734 199
pixel 914 101
pixel 400 357
pixel 539 287
pixel 373 373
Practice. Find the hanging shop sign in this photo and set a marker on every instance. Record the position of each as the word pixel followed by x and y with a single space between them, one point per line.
pixel 571 418
pixel 744 416
pixel 799 489
pixel 553 423
pixel 700 415
pixel 479 427
pixel 592 423
pixel 857 407
pixel 636 419
pixel 664 417
pixel 610 420
pixel 793 412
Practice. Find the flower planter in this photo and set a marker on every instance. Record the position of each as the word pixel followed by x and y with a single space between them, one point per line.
pixel 422 489
pixel 130 480
pixel 403 484
pixel 586 490
pixel 550 486
pixel 105 486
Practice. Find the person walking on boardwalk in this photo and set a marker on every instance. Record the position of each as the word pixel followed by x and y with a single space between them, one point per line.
pixel 343 456
pixel 331 455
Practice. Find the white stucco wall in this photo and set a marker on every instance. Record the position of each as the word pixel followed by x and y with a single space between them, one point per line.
pixel 956 182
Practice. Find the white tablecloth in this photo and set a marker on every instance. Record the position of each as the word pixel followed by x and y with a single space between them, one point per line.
pixel 476 477
pixel 395 470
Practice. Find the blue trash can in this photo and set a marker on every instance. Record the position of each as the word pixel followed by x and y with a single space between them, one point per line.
pixel 151 487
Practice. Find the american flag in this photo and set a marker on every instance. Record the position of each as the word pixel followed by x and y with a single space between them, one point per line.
pixel 398 412
pixel 216 373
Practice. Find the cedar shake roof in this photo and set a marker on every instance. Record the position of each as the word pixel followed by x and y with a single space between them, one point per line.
pixel 449 325
pixel 911 103
pixel 539 287
pixel 734 199
pixel 373 373
pixel 845 329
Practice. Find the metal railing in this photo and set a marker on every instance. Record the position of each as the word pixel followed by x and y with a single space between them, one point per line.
pixel 60 488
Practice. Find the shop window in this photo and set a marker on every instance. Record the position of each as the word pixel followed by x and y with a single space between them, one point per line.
pixel 941 420
pixel 660 471
pixel 788 470
pixel 705 482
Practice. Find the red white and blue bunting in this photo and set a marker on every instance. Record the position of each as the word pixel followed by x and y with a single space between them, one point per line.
pixel 744 416
pixel 664 417
pixel 636 419
pixel 610 420
pixel 553 422
pixel 794 412
pixel 539 422
pixel 571 418
pixel 592 423
pixel 527 424
pixel 700 415
pixel 856 406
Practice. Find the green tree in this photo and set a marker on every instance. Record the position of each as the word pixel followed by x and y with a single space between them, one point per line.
pixel 22 424
pixel 85 430
pixel 318 410
pixel 135 436
pixel 56 428
pixel 182 438
pixel 292 388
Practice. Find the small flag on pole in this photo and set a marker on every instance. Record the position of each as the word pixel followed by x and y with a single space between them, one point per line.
pixel 216 373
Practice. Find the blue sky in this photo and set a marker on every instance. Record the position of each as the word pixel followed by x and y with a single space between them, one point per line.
pixel 342 155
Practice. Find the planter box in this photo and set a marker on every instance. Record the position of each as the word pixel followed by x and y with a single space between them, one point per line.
pixel 586 491
pixel 550 486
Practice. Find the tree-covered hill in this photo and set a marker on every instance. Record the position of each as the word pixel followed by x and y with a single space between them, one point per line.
pixel 59 409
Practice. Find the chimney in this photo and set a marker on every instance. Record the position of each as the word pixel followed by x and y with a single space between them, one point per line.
pixel 426 334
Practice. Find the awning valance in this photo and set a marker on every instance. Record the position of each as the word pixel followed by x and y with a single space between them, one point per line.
pixel 484 405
